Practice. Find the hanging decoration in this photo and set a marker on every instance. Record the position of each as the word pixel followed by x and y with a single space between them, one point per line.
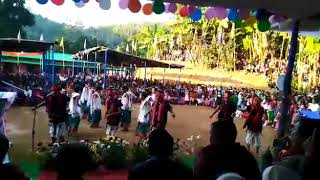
pixel 172 7
pixel 273 19
pixel 220 13
pixel 263 25
pixel 58 2
pixel 250 21
pixel 166 8
pixel 123 4
pixel 233 15
pixel 244 13
pixel 86 1
pixel 104 4
pixel 238 23
pixel 210 13
pixel 134 6
pixel 196 15
pixel 80 4
pixel 184 12
pixel 147 9
pixel 158 6
pixel 42 1
pixel 191 9
pixel 76 1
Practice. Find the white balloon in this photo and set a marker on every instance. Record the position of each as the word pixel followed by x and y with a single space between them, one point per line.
pixel 80 4
pixel 105 4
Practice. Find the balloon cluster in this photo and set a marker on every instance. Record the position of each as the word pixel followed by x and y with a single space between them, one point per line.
pixel 240 17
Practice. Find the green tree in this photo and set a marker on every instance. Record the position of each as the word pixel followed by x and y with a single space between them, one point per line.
pixel 14 17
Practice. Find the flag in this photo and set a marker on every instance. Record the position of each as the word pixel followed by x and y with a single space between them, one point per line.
pixel 19 36
pixel 41 37
pixel 85 44
pixel 61 43
pixel 127 48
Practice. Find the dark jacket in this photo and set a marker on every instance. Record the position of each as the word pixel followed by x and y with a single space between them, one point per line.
pixel 57 107
pixel 214 160
pixel 159 169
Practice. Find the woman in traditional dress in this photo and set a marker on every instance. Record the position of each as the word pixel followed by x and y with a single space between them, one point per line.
pixel 90 95
pixel 113 113
pixel 160 109
pixel 143 126
pixel 95 108
pixel 74 110
pixel 84 102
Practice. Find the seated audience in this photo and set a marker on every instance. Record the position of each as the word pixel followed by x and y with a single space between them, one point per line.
pixel 224 155
pixel 159 166
pixel 8 171
pixel 73 161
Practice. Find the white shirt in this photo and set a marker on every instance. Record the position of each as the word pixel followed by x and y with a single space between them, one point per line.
pixel 74 105
pixel 95 103
pixel 127 100
pixel 84 95
pixel 144 115
pixel 314 107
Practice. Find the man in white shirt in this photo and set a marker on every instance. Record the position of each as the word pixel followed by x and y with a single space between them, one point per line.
pixel 314 107
pixel 126 109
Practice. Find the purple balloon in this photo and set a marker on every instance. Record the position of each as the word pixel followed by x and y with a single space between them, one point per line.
pixel 191 9
pixel 244 13
pixel 172 7
pixel 123 4
pixel 276 19
pixel 166 8
pixel 210 13
pixel 220 13
pixel 80 4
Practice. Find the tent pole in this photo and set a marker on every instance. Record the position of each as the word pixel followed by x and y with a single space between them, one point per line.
pixel 1 60
pixel 284 120
pixel 41 64
pixel 95 70
pixel 164 71
pixel 87 59
pixel 145 73
pixel 105 68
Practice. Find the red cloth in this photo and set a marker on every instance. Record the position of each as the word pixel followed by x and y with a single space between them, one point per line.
pixel 254 120
pixel 158 109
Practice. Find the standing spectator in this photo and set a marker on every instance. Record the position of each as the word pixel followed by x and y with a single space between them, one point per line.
pixel 254 124
pixel 227 109
pixel 224 155
pixel 159 166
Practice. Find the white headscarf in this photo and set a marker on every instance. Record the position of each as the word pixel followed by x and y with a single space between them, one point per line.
pixel 73 105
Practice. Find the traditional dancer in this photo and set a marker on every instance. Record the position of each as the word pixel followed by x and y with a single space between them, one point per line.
pixel 84 102
pixel 160 109
pixel 254 124
pixel 57 112
pixel 113 113
pixel 91 92
pixel 227 109
pixel 126 109
pixel 95 108
pixel 74 110
pixel 143 126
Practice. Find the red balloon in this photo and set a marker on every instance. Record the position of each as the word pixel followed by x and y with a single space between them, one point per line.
pixel 147 9
pixel 184 11
pixel 134 6
pixel 58 2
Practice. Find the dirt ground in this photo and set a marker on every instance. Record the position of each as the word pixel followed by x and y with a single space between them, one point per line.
pixel 190 120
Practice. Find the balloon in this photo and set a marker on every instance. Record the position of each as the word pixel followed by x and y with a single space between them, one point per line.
pixel 123 4
pixel 76 1
pixel 58 2
pixel 191 9
pixel 237 23
pixel 42 1
pixel 220 13
pixel 147 9
pixel 196 15
pixel 172 7
pixel 80 4
pixel 158 7
pixel 166 8
pixel 250 21
pixel 105 4
pixel 210 13
pixel 244 13
pixel 262 14
pixel 263 25
pixel 233 15
pixel 184 11
pixel 276 19
pixel 85 1
pixel 134 6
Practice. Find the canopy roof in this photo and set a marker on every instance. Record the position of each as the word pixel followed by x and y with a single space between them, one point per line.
pixel 117 58
pixel 23 45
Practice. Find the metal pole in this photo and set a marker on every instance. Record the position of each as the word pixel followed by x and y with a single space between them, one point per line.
pixel 145 73
pixel 1 61
pixel 52 66
pixel 87 63
pixel 95 70
pixel 105 68
pixel 283 126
